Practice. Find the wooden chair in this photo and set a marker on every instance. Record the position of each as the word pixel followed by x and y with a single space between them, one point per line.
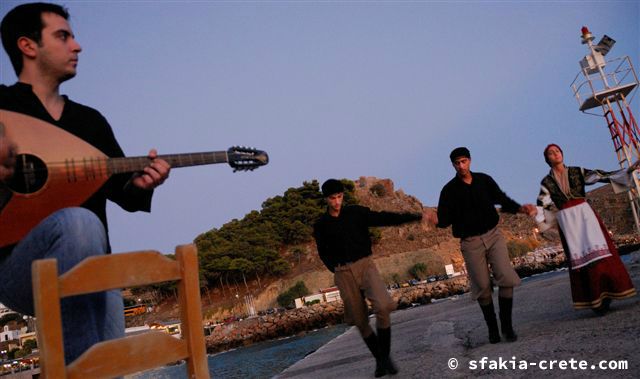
pixel 129 354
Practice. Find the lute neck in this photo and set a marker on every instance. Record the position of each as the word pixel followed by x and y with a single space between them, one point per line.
pixel 133 164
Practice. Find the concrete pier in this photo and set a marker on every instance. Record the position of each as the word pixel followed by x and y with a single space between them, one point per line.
pixel 554 339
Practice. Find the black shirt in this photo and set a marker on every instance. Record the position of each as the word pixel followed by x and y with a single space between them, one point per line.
pixel 90 126
pixel 345 238
pixel 470 208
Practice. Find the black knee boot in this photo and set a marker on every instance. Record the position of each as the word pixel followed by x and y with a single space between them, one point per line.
pixel 374 347
pixel 490 318
pixel 506 305
pixel 384 343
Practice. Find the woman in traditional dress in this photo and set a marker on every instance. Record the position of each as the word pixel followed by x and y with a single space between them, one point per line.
pixel 597 274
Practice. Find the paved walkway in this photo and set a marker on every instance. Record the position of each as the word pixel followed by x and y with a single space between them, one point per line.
pixel 426 339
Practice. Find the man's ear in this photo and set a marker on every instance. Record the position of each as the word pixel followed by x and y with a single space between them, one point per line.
pixel 27 46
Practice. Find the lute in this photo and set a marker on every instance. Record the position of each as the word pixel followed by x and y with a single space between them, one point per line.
pixel 55 170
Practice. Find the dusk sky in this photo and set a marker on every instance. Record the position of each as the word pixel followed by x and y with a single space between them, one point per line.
pixel 337 89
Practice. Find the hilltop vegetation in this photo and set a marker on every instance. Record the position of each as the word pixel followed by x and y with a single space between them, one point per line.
pixel 251 248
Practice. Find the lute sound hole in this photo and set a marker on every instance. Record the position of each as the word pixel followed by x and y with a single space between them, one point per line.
pixel 30 174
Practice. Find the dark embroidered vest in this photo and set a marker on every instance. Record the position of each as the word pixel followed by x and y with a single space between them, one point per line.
pixel 576 187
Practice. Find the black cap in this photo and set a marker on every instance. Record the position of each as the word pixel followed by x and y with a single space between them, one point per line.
pixel 459 152
pixel 332 186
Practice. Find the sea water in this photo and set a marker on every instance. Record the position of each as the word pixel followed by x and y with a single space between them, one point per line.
pixel 260 360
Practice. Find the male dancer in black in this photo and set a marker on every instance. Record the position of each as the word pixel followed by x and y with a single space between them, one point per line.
pixel 467 202
pixel 344 246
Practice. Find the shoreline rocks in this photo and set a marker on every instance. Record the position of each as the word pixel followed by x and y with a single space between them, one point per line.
pixel 424 293
pixel 273 326
pixel 539 261
pixel 300 320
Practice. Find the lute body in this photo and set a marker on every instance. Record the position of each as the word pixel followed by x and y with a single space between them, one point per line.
pixel 56 169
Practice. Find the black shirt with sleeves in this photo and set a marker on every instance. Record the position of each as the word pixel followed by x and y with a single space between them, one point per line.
pixel 470 208
pixel 345 239
pixel 89 125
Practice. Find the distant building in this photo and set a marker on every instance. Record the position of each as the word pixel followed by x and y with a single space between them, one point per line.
pixel 332 295
pixel 450 271
pixel 326 295
pixel 27 336
pixel 9 334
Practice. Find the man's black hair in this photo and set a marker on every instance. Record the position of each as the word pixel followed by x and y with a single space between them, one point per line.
pixel 459 152
pixel 25 21
pixel 332 186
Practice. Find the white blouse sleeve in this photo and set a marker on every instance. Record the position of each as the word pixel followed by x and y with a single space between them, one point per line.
pixel 620 180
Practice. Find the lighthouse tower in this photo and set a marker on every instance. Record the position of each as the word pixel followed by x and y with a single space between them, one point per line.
pixel 611 86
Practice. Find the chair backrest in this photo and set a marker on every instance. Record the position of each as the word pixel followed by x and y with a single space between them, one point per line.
pixel 126 355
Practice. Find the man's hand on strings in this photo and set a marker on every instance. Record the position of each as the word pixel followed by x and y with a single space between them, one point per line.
pixel 156 172
pixel 7 156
